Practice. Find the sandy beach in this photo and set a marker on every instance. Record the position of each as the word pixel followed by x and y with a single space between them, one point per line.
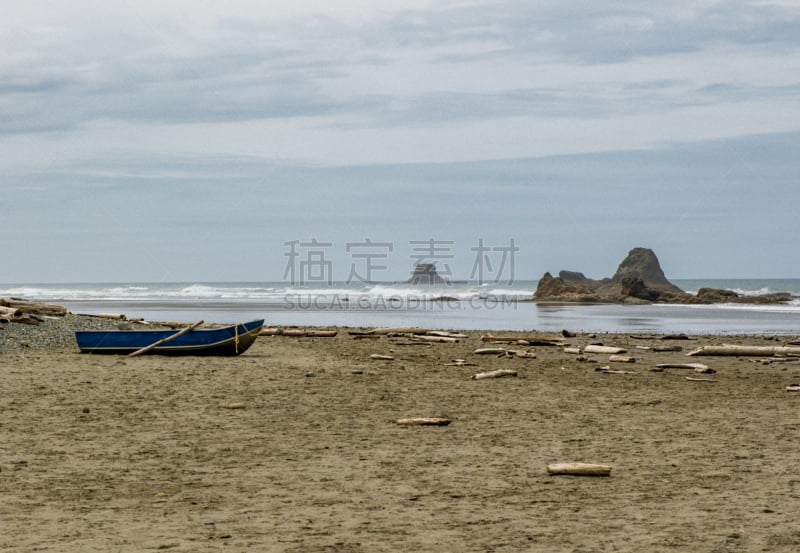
pixel 292 447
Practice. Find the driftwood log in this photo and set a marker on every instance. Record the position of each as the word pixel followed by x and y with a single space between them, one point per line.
pixel 621 359
pixel 379 357
pixel 35 308
pixel 10 311
pixel 494 374
pixel 594 348
pixel 398 330
pixel 423 421
pixel 532 340
pixel 736 350
pixel 579 469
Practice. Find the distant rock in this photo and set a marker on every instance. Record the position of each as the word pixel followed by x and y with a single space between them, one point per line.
pixel 639 280
pixel 425 273
pixel 714 295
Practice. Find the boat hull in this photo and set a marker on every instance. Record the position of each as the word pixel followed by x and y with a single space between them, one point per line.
pixel 226 341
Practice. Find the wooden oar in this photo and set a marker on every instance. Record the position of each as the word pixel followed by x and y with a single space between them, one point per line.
pixel 165 340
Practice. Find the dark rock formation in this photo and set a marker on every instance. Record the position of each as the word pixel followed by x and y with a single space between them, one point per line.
pixel 425 273
pixel 639 279
pixel 552 288
pixel 643 263
pixel 714 295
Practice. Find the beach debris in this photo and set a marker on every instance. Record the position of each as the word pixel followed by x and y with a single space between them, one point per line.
pixel 428 338
pixel 492 351
pixel 621 359
pixel 33 307
pixel 423 421
pixel 599 348
pixel 692 379
pixel 366 336
pixel 525 354
pixel 234 405
pixel 446 334
pixel 494 374
pixel 743 350
pixel 608 370
pixel 660 349
pixel 705 370
pixel 311 374
pixel 793 388
pixel 578 469
pixel 460 363
pixel 398 330
pixel 576 351
pixel 691 366
pixel 532 340
pixel 379 357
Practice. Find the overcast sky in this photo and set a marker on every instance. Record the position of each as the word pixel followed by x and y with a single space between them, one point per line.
pixel 195 140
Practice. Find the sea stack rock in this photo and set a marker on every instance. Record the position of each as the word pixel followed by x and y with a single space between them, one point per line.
pixel 425 273
pixel 643 263
pixel 556 289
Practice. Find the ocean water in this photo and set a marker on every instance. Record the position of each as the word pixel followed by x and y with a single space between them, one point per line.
pixel 465 306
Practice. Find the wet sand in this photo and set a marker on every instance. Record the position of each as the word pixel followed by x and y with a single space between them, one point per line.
pixel 103 454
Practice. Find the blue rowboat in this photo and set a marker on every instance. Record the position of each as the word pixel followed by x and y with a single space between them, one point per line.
pixel 229 340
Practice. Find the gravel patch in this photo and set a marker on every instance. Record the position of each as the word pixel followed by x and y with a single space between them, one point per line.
pixel 52 333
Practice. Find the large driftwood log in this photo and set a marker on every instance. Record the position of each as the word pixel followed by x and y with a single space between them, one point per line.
pixel 730 349
pixel 494 374
pixel 579 469
pixel 532 340
pixel 10 311
pixel 594 348
pixel 165 340
pixel 35 308
pixel 398 330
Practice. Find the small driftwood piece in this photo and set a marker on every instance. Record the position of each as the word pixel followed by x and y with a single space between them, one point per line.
pixel 321 333
pixel 525 354
pixel 692 379
pixel 445 334
pixel 793 388
pixel 379 357
pixel 460 363
pixel 578 469
pixel 492 351
pixel 428 338
pixel 737 350
pixel 398 330
pixel 494 374
pixel 621 359
pixel 165 340
pixel 691 366
pixel 423 421
pixel 366 336
pixel 609 370
pixel 576 351
pixel 595 348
